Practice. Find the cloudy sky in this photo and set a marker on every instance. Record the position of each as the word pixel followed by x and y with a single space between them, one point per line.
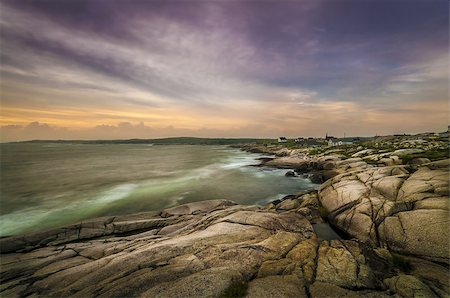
pixel 101 69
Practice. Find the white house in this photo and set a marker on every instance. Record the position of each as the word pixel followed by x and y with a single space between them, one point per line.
pixel 333 142
pixel 282 140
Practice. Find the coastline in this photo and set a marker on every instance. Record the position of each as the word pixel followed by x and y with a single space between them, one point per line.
pixel 127 179
pixel 394 215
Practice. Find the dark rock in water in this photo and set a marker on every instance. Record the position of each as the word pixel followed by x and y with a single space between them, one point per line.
pixel 314 165
pixel 255 150
pixel 308 167
pixel 290 174
pixel 302 168
pixel 276 202
pixel 289 197
pixel 317 178
pixel 263 160
pixel 301 193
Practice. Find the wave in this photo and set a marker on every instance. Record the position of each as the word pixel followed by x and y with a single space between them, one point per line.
pixel 114 194
pixel 46 216
pixel 269 199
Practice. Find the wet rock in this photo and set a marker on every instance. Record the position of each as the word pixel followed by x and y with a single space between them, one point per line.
pixel 289 197
pixel 302 168
pixel 290 174
pixel 276 202
pixel 264 160
pixel 317 178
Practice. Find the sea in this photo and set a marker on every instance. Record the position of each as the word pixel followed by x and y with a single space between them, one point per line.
pixel 48 185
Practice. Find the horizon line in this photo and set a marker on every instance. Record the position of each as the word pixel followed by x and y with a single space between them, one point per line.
pixel 214 138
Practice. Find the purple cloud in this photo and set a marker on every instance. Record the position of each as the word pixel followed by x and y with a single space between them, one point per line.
pixel 203 55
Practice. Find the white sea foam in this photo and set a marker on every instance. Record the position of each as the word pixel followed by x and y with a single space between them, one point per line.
pixel 15 222
pixel 259 173
pixel 176 200
pixel 267 200
pixel 28 218
pixel 114 194
pixel 239 161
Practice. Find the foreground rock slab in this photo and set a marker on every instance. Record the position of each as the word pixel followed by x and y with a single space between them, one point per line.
pixel 204 249
pixel 394 207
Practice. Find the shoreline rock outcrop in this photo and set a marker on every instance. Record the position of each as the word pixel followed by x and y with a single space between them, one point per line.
pixel 206 249
pixel 396 219
pixel 393 208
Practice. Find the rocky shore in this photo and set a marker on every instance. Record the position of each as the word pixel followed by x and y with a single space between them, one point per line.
pixel 393 216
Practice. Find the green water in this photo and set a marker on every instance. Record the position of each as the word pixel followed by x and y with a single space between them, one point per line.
pixel 49 185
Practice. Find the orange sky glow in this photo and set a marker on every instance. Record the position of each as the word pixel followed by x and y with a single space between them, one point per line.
pixel 239 71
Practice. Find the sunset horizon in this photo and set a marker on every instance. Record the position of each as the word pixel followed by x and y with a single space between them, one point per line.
pixel 153 69
pixel 36 131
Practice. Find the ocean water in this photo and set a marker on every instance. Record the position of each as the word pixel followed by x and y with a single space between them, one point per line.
pixel 48 185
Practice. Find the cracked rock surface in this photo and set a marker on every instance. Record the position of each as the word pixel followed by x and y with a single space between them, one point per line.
pixel 390 206
pixel 206 249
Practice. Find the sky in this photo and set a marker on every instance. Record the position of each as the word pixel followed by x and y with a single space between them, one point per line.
pixel 101 69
